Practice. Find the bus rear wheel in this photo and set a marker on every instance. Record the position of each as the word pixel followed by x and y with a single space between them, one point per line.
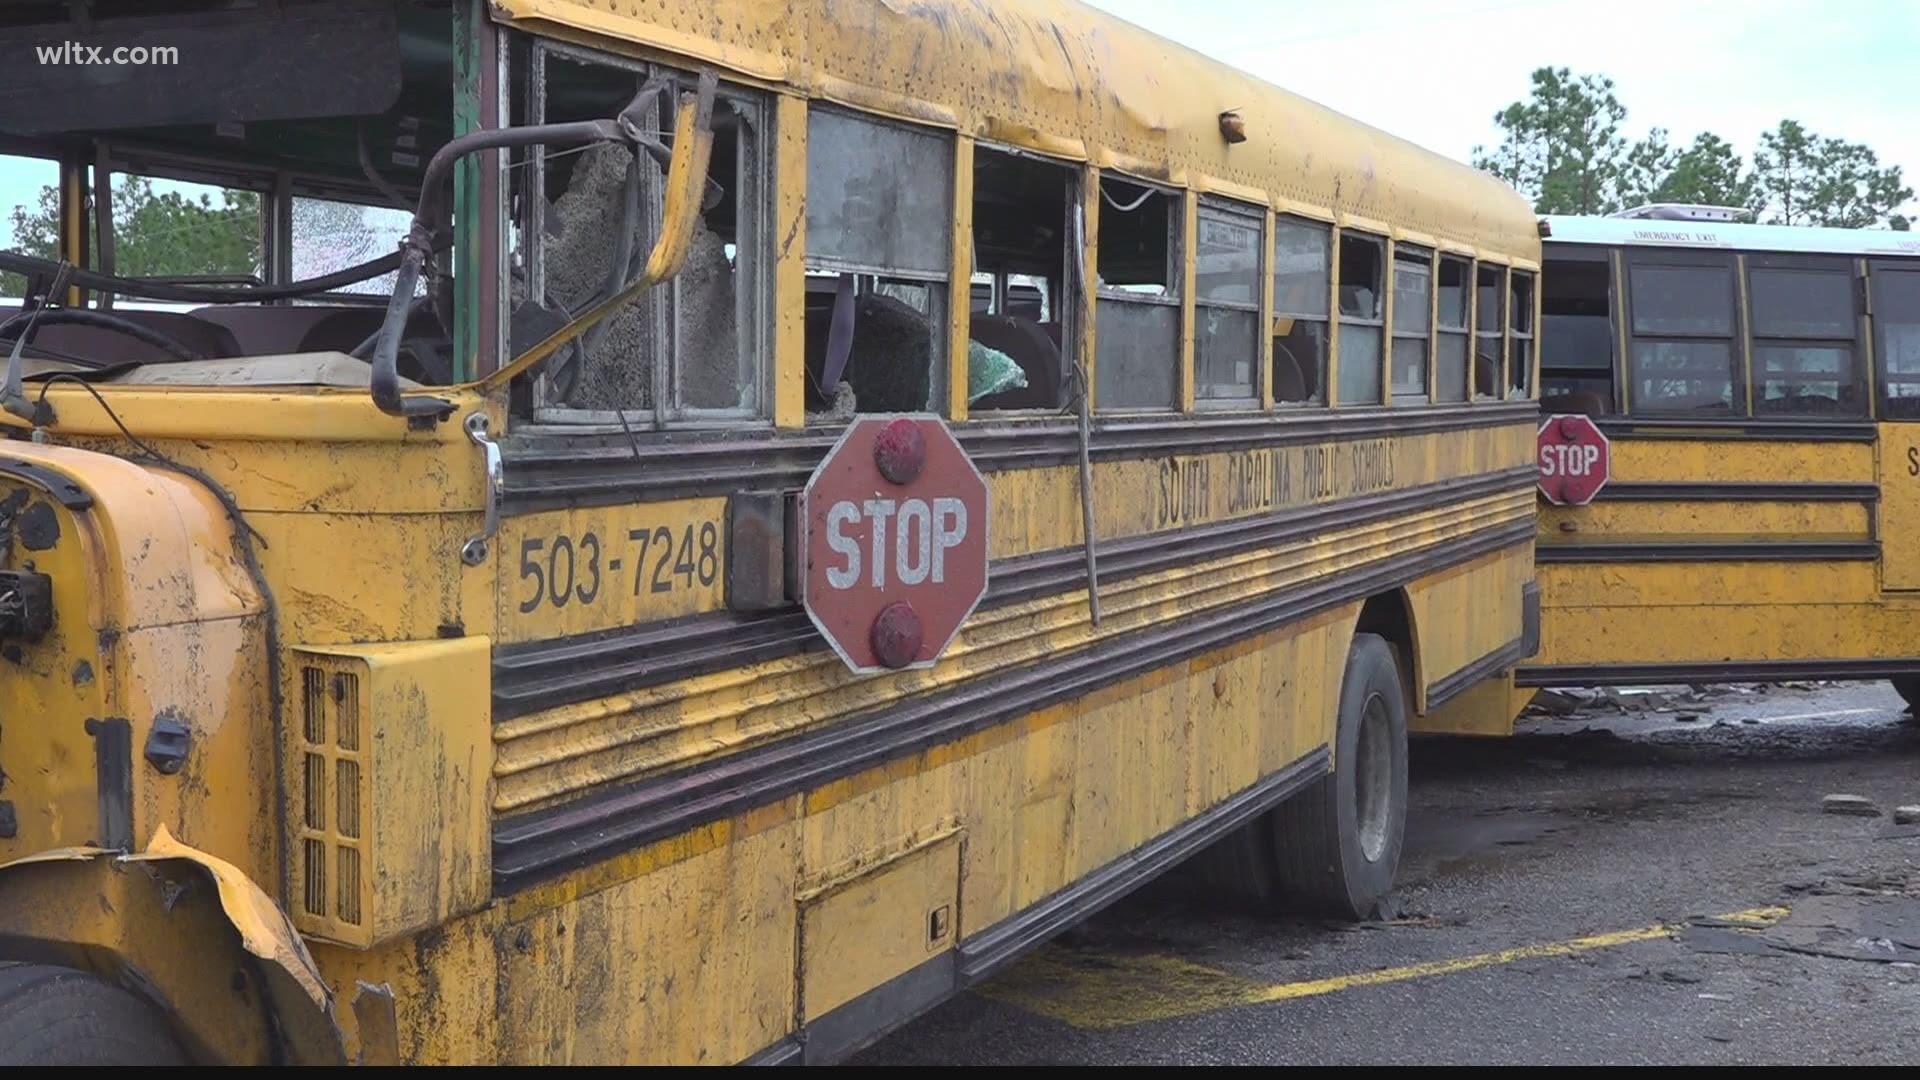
pixel 1333 848
pixel 1908 687
pixel 60 1016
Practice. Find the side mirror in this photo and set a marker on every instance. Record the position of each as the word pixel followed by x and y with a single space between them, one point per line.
pixel 686 163
pixel 686 191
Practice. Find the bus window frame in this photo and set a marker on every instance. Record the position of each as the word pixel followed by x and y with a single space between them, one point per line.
pixel 1064 306
pixel 1177 290
pixel 276 188
pixel 1615 368
pixel 945 315
pixel 1328 317
pixel 1463 332
pixel 74 225
pixel 1843 265
pixel 1255 216
pixel 1430 257
pixel 1529 314
pixel 753 289
pixel 1502 290
pixel 1735 338
pixel 1379 321
pixel 1876 268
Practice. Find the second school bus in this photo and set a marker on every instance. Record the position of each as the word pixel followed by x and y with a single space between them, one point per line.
pixel 1758 384
pixel 418 680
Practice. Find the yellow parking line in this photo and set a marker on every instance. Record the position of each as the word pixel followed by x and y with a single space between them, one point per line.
pixel 1109 991
pixel 1314 987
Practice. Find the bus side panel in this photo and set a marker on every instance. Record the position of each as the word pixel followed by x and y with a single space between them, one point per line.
pixel 1471 633
pixel 1735 557
pixel 697 948
pixel 1900 506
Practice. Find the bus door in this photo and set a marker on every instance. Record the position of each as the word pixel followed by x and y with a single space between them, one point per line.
pixel 1895 305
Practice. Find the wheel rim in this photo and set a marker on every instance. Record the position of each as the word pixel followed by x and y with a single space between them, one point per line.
pixel 1373 778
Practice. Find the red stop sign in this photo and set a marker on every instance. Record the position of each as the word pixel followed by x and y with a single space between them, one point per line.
pixel 1575 459
pixel 893 531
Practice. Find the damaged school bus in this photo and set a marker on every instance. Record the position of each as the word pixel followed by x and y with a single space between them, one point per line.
pixel 400 658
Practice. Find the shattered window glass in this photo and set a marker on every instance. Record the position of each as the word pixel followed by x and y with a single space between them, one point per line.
pixel 689 349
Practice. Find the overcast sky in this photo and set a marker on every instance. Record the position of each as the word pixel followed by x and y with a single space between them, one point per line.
pixel 1848 68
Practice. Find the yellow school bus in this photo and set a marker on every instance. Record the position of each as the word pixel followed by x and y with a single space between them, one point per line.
pixel 403 654
pixel 1758 386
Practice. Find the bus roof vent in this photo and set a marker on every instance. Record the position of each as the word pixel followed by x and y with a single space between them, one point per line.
pixel 1685 212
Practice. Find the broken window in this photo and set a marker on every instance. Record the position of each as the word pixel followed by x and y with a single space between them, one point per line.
pixel 328 236
pixel 1576 332
pixel 1138 338
pixel 1020 331
pixel 1489 331
pixel 1362 258
pixel 1412 321
pixel 1453 304
pixel 1226 303
pixel 1302 275
pixel 687 350
pixel 879 253
pixel 1520 350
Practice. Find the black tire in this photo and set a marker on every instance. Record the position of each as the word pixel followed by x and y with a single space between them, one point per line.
pixel 1309 853
pixel 1908 687
pixel 60 1016
pixel 1339 840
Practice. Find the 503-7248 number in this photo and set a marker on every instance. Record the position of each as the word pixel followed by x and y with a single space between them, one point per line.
pixel 560 570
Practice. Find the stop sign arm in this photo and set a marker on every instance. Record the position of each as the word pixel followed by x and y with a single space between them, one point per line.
pixel 894 542
pixel 1574 459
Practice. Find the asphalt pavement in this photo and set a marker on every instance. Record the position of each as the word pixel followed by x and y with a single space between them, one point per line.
pixel 1643 878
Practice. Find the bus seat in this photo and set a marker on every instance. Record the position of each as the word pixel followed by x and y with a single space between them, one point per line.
pixel 1289 381
pixel 1583 401
pixel 1027 343
pixel 104 346
pixel 270 330
pixel 890 369
pixel 1486 376
pixel 426 355
pixel 343 329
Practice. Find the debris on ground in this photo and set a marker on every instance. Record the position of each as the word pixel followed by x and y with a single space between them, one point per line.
pixel 1906 815
pixel 1879 929
pixel 1849 805
pixel 1561 702
pixel 1686 699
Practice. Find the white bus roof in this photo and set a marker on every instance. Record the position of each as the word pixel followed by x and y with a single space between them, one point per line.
pixel 1731 236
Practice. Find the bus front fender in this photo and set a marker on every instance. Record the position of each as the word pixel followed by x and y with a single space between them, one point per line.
pixel 185 930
